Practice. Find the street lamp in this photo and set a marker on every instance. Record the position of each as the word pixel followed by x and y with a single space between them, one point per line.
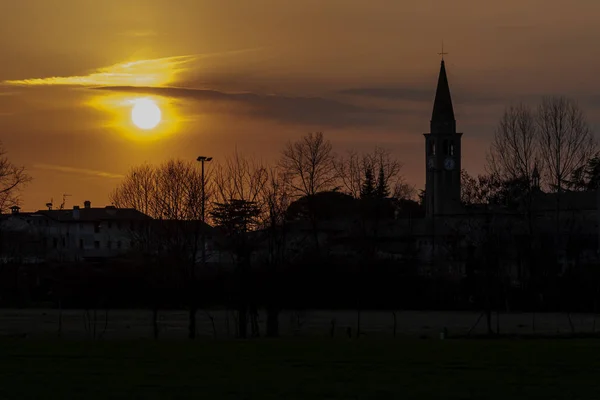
pixel 202 160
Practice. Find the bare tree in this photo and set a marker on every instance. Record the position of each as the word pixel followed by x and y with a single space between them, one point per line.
pixel 309 163
pixel 276 197
pixel 353 169
pixel 476 190
pixel 13 179
pixel 138 190
pixel 566 141
pixel 239 178
pixel 238 209
pixel 351 173
pixel 567 144
pixel 172 194
pixel 368 177
pixel 171 190
pixel 514 152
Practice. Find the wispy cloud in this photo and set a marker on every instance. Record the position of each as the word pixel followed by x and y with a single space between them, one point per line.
pixel 155 72
pixel 78 171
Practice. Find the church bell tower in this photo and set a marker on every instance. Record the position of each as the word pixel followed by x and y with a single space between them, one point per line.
pixel 442 154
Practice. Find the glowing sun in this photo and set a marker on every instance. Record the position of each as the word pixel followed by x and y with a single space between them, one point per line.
pixel 145 114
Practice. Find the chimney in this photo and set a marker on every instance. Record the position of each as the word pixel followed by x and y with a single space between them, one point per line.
pixel 87 204
pixel 75 212
pixel 15 209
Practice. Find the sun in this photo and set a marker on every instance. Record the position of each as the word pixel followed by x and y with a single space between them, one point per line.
pixel 145 114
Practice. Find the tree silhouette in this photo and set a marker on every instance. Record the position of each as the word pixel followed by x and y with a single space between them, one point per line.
pixel 368 189
pixel 515 149
pixel 566 141
pixel 13 179
pixel 309 165
pixel 383 191
pixel 172 194
pixel 236 218
pixel 586 177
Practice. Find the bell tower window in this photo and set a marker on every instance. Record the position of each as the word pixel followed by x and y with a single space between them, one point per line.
pixel 431 148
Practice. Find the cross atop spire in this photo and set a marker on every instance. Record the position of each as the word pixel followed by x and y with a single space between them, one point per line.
pixel 442 53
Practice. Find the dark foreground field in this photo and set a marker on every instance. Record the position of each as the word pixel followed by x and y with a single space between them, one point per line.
pixel 301 369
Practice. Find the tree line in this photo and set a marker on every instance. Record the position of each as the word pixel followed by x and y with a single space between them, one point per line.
pixel 252 205
pixel 258 208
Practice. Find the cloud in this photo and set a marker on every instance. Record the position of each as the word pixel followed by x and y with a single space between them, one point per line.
pixel 158 71
pixel 78 171
pixel 418 95
pixel 154 72
pixel 288 109
pixel 390 93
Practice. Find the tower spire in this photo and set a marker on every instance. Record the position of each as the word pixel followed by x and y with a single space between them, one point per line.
pixel 442 118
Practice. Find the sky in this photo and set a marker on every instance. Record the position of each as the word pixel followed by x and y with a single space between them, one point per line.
pixel 252 75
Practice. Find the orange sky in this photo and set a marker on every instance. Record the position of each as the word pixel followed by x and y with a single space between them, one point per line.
pixel 361 71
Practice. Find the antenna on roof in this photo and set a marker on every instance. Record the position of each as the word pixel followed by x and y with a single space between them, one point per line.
pixel 62 206
pixel 50 204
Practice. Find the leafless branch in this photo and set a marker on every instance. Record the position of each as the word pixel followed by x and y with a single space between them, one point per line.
pixel 13 179
pixel 309 165
pixel 515 151
pixel 566 141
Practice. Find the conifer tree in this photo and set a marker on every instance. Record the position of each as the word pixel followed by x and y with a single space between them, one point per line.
pixel 383 192
pixel 368 189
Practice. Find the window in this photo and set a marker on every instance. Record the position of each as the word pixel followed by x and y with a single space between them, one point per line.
pixel 446 148
pixel 81 243
pixel 431 148
pixel 451 148
pixel 96 244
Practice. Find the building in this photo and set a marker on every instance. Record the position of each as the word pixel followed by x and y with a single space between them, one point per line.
pixel 566 224
pixel 442 154
pixel 86 233
pixel 451 234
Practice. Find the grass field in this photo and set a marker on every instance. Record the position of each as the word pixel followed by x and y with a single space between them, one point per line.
pixel 301 369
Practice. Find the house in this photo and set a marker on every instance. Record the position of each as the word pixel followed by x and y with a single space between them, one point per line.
pixel 87 233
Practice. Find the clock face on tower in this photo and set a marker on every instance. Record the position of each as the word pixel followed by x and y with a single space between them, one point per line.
pixel 431 163
pixel 449 164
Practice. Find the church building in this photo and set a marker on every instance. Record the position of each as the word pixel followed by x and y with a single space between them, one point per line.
pixel 442 154
pixel 449 226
